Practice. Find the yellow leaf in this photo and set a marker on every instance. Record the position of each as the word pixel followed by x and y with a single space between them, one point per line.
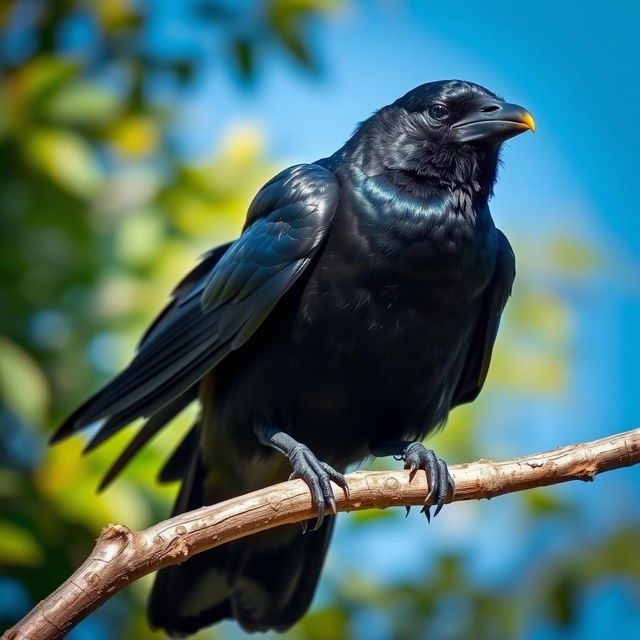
pixel 543 313
pixel 114 13
pixel 135 136
pixel 572 257
pixel 528 368
pixel 242 145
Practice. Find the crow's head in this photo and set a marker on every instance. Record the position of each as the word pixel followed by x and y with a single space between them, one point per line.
pixel 444 133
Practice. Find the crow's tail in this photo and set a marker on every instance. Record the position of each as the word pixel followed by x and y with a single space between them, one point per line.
pixel 266 581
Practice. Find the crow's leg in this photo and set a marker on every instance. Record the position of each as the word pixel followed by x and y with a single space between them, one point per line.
pixel 307 467
pixel 416 456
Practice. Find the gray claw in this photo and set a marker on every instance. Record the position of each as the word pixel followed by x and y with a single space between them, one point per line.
pixel 427 513
pixel 319 519
pixel 317 476
pixel 336 477
pixel 441 485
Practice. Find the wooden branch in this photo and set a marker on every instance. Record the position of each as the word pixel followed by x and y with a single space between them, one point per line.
pixel 122 556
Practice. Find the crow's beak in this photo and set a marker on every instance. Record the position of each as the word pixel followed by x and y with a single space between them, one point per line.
pixel 495 122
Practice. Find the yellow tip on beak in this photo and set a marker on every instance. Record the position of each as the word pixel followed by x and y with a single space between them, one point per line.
pixel 527 119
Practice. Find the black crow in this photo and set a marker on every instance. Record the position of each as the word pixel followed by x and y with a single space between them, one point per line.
pixel 359 305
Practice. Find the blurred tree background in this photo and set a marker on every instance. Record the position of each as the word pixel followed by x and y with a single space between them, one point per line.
pixel 102 210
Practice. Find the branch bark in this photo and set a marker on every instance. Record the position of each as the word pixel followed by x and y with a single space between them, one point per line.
pixel 122 556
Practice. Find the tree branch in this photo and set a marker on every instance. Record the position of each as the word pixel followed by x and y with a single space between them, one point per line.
pixel 122 556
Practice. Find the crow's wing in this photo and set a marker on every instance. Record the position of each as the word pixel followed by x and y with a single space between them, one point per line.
pixel 476 366
pixel 216 310
pixel 165 414
pixel 153 425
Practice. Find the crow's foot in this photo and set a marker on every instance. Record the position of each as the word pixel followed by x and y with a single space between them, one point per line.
pixel 441 486
pixel 307 467
pixel 317 475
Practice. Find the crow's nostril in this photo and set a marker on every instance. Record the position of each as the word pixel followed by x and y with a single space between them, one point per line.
pixel 490 108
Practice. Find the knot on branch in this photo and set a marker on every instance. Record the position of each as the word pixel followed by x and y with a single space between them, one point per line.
pixel 115 532
pixel 178 546
pixel 113 540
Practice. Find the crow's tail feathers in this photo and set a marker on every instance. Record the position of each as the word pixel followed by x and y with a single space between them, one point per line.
pixel 264 582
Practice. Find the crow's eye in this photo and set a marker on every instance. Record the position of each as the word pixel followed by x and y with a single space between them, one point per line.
pixel 438 111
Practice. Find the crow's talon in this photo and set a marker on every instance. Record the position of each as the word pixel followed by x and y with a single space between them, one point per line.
pixel 441 485
pixel 406 515
pixel 317 476
pixel 338 478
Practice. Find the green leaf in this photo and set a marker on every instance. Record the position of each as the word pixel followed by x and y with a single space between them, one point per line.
pixel 139 237
pixel 288 20
pixel 372 515
pixel 563 599
pixel 66 158
pixel 45 74
pixel 543 502
pixel 19 547
pixel 244 57
pixel 326 624
pixel 184 69
pixel 82 103
pixel 23 387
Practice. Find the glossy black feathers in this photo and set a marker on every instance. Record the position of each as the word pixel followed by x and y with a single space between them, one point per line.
pixel 359 305
pixel 216 310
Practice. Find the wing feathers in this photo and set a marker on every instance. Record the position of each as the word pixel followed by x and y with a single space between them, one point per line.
pixel 476 367
pixel 148 430
pixel 218 306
